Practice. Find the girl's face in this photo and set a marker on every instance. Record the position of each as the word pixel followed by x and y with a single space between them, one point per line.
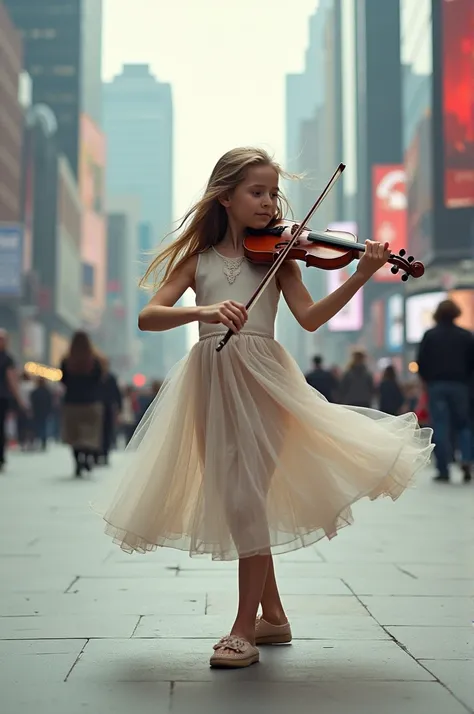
pixel 253 203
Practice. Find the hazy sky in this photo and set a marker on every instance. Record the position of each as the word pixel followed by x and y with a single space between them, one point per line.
pixel 226 61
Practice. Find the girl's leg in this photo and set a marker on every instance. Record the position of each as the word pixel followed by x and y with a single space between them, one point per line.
pixel 272 608
pixel 252 576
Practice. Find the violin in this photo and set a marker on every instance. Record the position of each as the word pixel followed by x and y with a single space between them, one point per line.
pixel 328 250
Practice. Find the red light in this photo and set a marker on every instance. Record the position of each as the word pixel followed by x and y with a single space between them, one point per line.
pixel 139 380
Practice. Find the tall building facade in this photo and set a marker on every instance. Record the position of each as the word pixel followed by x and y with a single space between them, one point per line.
pixel 62 50
pixel 120 333
pixel 138 122
pixel 314 150
pixel 437 49
pixel 10 118
pixel 63 54
pixel 11 234
pixel 381 200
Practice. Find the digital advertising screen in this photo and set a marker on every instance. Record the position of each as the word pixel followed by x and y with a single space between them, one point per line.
pixel 389 201
pixel 458 102
pixel 394 323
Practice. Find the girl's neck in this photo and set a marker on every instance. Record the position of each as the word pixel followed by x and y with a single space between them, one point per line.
pixel 232 243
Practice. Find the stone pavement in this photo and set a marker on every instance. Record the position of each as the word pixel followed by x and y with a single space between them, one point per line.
pixel 382 615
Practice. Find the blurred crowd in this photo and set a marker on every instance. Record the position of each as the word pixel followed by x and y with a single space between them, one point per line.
pixel 87 409
pixel 441 394
pixel 91 412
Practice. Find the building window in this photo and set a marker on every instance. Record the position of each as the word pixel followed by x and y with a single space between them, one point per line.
pixel 64 70
pixel 88 279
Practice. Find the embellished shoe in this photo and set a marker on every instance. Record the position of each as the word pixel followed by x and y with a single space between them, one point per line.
pixel 268 634
pixel 242 653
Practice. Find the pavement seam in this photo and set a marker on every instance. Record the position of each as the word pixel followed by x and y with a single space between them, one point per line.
pixel 140 617
pixel 405 648
pixel 77 659
pixel 76 578
pixel 406 572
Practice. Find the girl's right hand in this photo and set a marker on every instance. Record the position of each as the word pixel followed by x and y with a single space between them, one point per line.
pixel 230 313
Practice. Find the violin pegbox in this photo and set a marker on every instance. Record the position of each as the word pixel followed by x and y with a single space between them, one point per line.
pixel 409 266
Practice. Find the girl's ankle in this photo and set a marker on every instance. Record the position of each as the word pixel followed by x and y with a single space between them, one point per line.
pixel 275 617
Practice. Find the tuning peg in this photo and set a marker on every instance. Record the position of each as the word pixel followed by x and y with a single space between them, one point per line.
pixel 410 258
pixel 405 277
pixel 394 269
pixel 402 252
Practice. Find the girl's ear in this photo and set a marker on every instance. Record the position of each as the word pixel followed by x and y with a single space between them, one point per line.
pixel 224 199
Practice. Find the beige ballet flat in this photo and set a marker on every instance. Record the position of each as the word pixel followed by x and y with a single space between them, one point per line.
pixel 243 654
pixel 268 634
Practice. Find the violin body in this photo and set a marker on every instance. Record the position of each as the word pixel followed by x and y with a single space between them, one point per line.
pixel 263 247
pixel 328 250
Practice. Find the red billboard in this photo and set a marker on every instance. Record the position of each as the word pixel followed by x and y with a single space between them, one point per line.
pixel 389 208
pixel 458 102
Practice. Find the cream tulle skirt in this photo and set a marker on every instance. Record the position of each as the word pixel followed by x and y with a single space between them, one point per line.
pixel 238 456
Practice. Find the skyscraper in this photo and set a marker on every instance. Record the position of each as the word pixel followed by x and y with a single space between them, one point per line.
pixel 138 122
pixel 62 53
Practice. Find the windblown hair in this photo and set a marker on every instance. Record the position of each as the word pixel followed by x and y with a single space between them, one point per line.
pixel 205 224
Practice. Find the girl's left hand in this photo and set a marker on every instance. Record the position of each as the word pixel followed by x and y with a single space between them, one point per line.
pixel 375 256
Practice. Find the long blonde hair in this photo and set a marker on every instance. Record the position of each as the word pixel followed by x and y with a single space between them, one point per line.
pixel 205 224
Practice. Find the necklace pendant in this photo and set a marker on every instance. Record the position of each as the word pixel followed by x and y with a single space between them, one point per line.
pixel 232 268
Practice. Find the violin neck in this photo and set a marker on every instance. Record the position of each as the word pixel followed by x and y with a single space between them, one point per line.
pixel 339 242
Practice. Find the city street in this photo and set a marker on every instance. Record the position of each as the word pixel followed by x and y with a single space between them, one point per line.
pixel 382 615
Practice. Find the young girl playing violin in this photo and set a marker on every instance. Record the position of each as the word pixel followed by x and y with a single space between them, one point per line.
pixel 238 456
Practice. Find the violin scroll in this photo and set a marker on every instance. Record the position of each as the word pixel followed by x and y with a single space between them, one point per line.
pixel 409 266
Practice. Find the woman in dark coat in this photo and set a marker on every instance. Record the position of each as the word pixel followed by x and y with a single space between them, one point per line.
pixel 391 397
pixel 82 374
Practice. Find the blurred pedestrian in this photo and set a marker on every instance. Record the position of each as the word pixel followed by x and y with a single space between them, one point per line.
pixel 112 404
pixel 146 398
pixel 82 373
pixel 25 428
pixel 128 415
pixel 8 391
pixel 357 387
pixel 322 379
pixel 446 365
pixel 41 410
pixel 391 397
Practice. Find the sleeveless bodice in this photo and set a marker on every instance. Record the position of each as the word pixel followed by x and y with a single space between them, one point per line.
pixel 219 278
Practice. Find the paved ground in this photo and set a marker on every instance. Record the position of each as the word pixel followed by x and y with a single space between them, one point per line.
pixel 382 614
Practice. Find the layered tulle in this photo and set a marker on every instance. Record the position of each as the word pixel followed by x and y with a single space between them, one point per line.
pixel 238 456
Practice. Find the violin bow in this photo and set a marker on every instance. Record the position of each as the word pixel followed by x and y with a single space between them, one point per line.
pixel 284 252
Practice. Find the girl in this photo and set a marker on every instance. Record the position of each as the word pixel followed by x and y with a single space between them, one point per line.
pixel 237 456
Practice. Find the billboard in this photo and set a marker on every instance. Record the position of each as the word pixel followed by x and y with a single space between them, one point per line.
pixel 389 201
pixel 458 102
pixel 394 324
pixel 419 310
pixel 11 260
pixel 351 317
